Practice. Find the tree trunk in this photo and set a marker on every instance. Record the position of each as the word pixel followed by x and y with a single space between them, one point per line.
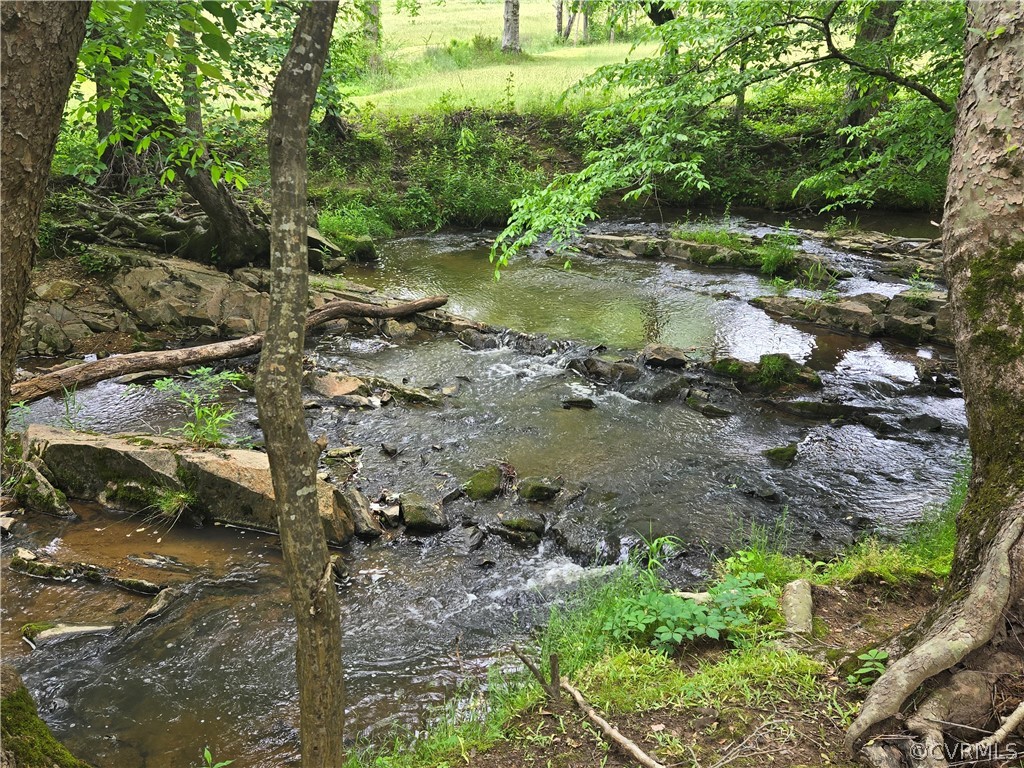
pixel 559 10
pixel 39 50
pixel 874 33
pixel 569 25
pixel 189 88
pixel 983 242
pixel 658 13
pixel 586 23
pixel 233 239
pixel 510 31
pixel 55 382
pixel 371 22
pixel 293 457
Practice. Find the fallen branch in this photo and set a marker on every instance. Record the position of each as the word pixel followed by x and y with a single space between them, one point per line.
pixel 551 689
pixel 1011 724
pixel 119 365
pixel 611 731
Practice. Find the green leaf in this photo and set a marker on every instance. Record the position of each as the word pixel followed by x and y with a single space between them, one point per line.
pixel 209 70
pixel 136 18
pixel 218 44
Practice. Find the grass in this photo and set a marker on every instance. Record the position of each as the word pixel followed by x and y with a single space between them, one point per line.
pixel 531 83
pixel 713 236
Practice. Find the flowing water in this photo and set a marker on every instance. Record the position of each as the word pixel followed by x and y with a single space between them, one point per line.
pixel 422 614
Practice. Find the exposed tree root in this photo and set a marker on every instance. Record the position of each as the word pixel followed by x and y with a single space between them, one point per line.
pixel 56 382
pixel 964 626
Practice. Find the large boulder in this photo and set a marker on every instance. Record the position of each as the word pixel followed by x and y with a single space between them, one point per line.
pixel 174 292
pixel 231 486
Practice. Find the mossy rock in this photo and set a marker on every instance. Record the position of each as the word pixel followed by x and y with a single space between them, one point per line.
pixel 524 523
pixel 33 628
pixel 485 484
pixel 420 515
pixel 25 736
pixel 42 570
pixel 783 455
pixel 358 248
pixel 538 488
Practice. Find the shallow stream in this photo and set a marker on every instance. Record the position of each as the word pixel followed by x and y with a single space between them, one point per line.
pixel 422 615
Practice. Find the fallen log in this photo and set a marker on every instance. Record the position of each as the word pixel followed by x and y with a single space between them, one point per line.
pixel 55 382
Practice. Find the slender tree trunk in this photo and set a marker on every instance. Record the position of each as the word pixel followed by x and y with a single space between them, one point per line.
pixel 559 10
pixel 983 242
pixel 371 22
pixel 510 30
pixel 189 88
pixel 874 34
pixel 586 23
pixel 293 457
pixel 569 24
pixel 38 51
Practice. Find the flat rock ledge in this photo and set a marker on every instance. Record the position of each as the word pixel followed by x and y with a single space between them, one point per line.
pixel 135 472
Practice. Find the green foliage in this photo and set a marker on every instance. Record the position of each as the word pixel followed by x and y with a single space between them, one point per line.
pixel 209 763
pixel 71 409
pixel 712 236
pixel 776 251
pixel 670 120
pixel 871 668
pixel 774 370
pixel 98 261
pixel 920 287
pixel 206 420
pixel 665 620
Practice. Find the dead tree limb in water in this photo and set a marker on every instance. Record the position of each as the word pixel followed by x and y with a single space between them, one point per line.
pixel 119 365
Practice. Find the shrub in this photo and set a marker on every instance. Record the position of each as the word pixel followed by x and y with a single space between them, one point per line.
pixel 206 420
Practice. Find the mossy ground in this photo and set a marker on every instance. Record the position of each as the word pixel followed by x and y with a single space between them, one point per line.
pixel 26 736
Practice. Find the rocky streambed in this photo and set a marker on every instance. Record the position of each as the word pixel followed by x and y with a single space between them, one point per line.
pixel 482 470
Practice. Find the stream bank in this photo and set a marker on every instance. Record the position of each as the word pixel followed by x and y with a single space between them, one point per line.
pixel 425 612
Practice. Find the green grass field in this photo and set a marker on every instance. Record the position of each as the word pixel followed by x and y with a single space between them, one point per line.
pixel 447 55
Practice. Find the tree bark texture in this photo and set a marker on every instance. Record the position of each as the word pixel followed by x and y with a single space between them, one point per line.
pixel 983 244
pixel 292 455
pixel 510 31
pixel 559 11
pixel 40 47
pixel 874 33
pixel 193 100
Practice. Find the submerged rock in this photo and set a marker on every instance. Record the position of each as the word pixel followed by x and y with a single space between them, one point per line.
pixel 163 600
pixel 524 521
pixel 538 488
pixel 420 515
pixel 784 455
pixel 58 631
pixel 581 403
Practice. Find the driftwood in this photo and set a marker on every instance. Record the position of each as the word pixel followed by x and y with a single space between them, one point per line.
pixel 610 730
pixel 55 382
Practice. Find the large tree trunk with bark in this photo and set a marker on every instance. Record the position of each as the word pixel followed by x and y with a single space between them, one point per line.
pixel 983 241
pixel 510 30
pixel 293 457
pixel 39 50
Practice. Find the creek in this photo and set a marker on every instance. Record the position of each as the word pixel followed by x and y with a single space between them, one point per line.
pixel 423 615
